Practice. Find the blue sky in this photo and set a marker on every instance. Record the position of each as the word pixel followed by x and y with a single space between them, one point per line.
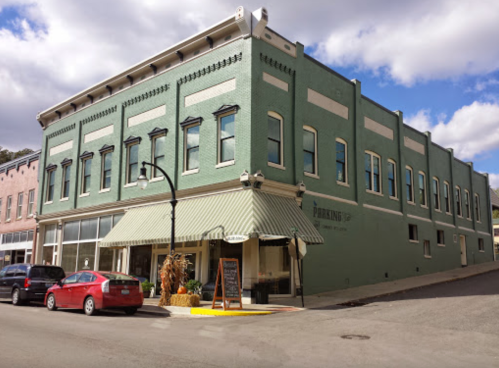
pixel 435 60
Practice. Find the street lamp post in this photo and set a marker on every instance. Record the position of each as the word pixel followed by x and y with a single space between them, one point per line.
pixel 142 182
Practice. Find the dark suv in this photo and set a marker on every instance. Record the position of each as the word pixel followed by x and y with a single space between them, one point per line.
pixel 25 282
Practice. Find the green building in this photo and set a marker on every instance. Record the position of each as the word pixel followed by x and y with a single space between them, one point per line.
pixel 258 139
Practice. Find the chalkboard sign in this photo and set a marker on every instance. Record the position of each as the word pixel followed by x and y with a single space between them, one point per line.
pixel 229 283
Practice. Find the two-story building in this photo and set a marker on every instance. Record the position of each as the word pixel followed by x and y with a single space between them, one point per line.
pixel 260 140
pixel 18 196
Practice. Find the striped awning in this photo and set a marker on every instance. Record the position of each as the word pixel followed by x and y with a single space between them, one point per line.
pixel 245 213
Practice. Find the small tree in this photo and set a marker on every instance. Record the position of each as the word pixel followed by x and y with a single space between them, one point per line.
pixel 173 275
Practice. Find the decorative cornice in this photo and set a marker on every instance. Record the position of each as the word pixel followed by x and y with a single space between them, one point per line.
pixel 157 131
pixel 50 167
pixel 190 120
pixel 86 155
pixel 211 68
pixel 62 131
pixel 272 62
pixel 106 148
pixel 99 115
pixel 66 161
pixel 18 162
pixel 226 108
pixel 144 96
pixel 132 140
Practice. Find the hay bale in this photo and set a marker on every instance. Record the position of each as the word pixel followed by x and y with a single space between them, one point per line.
pixel 184 300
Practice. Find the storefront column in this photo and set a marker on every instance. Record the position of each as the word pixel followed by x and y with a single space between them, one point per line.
pixel 250 268
pixel 58 260
pixel 204 261
pixel 124 261
pixel 39 245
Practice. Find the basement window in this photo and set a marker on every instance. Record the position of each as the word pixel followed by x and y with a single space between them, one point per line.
pixel 413 233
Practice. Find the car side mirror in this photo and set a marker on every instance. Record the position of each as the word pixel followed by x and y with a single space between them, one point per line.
pixel 59 283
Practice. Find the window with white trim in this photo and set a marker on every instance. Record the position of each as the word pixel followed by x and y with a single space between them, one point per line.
pixel 86 175
pixel 372 171
pixel 440 237
pixel 107 165
pixel 341 161
pixel 158 154
pixel 409 184
pixel 20 198
pixel 227 138
pixel 481 246
pixel 66 176
pixel 9 207
pixel 459 208
pixel 392 178
pixel 436 193
pixel 191 147
pixel 422 189
pixel 132 163
pixel 477 207
pixel 447 197
pixel 31 202
pixel 310 150
pixel 427 249
pixel 467 203
pixel 50 185
pixel 413 233
pixel 275 139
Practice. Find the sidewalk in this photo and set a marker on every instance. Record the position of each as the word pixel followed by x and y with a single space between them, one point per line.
pixel 342 296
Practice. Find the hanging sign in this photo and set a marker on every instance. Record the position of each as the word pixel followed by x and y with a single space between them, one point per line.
pixel 228 283
pixel 236 238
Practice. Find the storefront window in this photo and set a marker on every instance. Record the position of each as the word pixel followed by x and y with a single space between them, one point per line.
pixel 89 229
pixel 48 254
pixel 106 259
pixel 86 256
pixel 140 262
pixel 220 249
pixel 105 226
pixel 69 252
pixel 71 231
pixel 275 267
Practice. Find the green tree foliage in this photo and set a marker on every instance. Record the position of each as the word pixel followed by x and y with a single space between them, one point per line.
pixel 6 155
pixel 495 214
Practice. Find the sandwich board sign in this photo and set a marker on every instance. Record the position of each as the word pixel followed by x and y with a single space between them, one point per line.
pixel 228 283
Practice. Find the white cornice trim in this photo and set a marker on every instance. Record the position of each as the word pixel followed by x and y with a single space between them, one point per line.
pixel 381 209
pixel 483 233
pixel 444 224
pixel 337 199
pixel 419 218
pixel 466 229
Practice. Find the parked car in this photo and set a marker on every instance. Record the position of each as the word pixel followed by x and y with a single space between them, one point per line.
pixel 26 282
pixel 94 290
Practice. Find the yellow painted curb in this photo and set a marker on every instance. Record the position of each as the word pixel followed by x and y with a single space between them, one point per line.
pixel 221 312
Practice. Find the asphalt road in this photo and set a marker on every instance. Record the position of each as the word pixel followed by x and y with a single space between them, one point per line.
pixel 450 325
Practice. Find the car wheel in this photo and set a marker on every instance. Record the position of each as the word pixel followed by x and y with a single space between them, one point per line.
pixel 51 306
pixel 16 297
pixel 89 306
pixel 130 311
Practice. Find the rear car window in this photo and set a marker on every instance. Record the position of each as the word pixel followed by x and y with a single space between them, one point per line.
pixel 117 276
pixel 47 273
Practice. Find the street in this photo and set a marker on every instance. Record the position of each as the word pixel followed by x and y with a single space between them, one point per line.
pixel 447 325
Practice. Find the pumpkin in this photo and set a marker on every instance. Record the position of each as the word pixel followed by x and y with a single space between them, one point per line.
pixel 182 290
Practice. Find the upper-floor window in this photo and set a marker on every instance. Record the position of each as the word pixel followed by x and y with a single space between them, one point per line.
pixel 107 164
pixel 31 202
pixel 191 147
pixel 392 179
pixel 373 171
pixel 227 138
pixel 436 193
pixel 477 207
pixel 447 197
pixel 341 161
pixel 20 198
pixel 310 150
pixel 409 184
pixel 132 163
pixel 274 139
pixel 66 179
pixel 9 207
pixel 158 152
pixel 50 185
pixel 86 175
pixel 467 203
pixel 458 202
pixel 422 189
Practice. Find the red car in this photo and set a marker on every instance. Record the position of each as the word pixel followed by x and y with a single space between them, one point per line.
pixel 94 290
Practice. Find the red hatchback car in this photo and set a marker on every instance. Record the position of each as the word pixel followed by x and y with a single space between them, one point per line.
pixel 94 290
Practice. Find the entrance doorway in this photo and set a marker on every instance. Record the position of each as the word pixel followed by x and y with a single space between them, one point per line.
pixel 191 269
pixel 140 262
pixel 464 258
pixel 18 256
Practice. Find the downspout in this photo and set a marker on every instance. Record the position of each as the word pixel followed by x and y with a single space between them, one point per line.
pixel 77 171
pixel 120 152
pixel 176 130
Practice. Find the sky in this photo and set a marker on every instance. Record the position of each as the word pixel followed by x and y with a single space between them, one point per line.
pixel 437 61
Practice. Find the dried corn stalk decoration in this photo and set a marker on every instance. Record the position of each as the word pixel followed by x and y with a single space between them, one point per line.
pixel 173 275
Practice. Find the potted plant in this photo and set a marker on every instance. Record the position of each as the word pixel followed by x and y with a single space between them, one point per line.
pixel 194 287
pixel 146 288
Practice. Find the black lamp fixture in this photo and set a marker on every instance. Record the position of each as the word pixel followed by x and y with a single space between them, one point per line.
pixel 142 182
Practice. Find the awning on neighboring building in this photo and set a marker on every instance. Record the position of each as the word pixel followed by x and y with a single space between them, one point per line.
pixel 245 213
pixel 16 246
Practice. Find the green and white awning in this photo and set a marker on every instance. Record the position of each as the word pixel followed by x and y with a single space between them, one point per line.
pixel 240 214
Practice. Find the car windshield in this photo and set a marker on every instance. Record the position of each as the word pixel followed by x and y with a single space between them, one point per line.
pixel 117 276
pixel 47 273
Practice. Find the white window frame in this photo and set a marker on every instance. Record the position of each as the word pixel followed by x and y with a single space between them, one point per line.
pixel 315 174
pixel 83 162
pixel 380 175
pixel 9 208
pixel 467 204
pixel 477 208
pixel 47 200
pixel 20 200
pixel 127 171
pixel 63 186
pixel 448 200
pixel 425 196
pixel 186 129
pixel 102 172
pixel 153 156
pixel 481 245
pixel 344 142
pixel 219 140
pixel 436 193
pixel 31 202
pixel 427 249
pixel 280 165
pixel 412 200
pixel 391 161
pixel 443 237
pixel 416 233
pixel 459 202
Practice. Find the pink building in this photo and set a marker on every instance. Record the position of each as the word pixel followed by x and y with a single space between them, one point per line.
pixel 18 194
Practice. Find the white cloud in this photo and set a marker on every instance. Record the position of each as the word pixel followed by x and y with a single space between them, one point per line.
pixel 494 180
pixel 472 131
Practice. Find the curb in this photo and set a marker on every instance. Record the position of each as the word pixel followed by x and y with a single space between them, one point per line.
pixel 229 313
